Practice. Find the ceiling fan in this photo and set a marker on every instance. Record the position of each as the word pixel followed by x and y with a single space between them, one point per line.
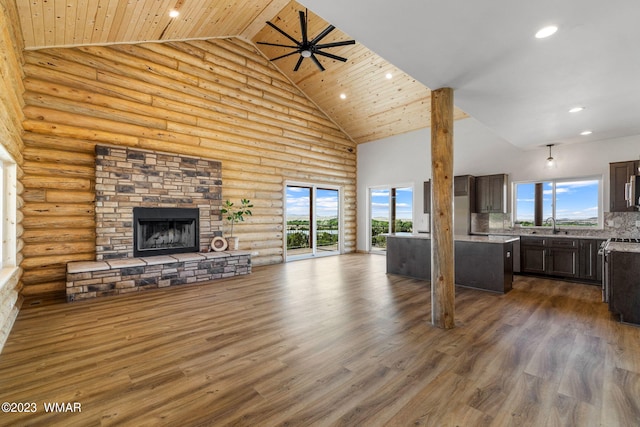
pixel 308 48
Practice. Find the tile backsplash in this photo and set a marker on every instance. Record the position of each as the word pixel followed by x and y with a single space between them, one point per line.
pixel 616 224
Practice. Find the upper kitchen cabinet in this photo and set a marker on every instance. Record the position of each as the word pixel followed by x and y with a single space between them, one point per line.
pixel 491 193
pixel 464 185
pixel 427 197
pixel 619 174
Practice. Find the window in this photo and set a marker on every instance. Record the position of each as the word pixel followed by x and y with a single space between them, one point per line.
pixel 8 208
pixel 3 197
pixel 391 211
pixel 571 202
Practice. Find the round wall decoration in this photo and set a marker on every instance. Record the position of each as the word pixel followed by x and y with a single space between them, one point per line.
pixel 218 244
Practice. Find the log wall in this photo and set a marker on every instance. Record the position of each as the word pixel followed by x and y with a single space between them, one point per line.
pixel 217 99
pixel 11 104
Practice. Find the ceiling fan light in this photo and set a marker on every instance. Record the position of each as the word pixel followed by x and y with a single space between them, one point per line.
pixel 308 47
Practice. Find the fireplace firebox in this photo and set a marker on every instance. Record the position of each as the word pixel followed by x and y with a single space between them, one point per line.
pixel 165 231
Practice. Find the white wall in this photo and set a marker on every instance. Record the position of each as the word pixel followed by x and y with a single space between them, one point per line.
pixel 406 160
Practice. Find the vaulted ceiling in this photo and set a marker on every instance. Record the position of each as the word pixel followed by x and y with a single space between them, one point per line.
pixel 519 87
pixel 373 106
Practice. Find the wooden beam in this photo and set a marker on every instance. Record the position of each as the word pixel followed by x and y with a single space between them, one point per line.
pixel 442 249
pixel 539 202
pixel 393 210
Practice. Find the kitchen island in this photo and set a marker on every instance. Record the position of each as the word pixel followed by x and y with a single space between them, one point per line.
pixel 482 262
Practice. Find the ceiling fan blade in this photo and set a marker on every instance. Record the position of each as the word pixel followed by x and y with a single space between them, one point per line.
pixel 298 63
pixel 279 45
pixel 317 62
pixel 323 34
pixel 335 44
pixel 329 55
pixel 303 26
pixel 285 55
pixel 283 33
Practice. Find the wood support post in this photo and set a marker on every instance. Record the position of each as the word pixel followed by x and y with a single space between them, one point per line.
pixel 539 202
pixel 442 249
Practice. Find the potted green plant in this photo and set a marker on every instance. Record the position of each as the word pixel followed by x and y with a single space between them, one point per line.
pixel 233 213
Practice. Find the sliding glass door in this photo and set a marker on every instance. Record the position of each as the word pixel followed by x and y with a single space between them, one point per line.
pixel 379 221
pixel 327 220
pixel 312 221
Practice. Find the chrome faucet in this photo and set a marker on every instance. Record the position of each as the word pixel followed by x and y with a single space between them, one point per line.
pixel 553 221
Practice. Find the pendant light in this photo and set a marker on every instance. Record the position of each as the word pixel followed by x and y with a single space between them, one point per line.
pixel 551 162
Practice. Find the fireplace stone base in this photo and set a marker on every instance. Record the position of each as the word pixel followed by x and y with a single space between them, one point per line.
pixel 91 279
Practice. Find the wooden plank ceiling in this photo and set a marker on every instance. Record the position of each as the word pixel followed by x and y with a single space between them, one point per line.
pixel 375 107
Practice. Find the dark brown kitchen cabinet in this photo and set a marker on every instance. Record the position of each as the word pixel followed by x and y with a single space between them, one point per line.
pixel 491 193
pixel 619 174
pixel 590 263
pixel 426 193
pixel 561 257
pixel 624 285
pixel 464 185
pixel 533 255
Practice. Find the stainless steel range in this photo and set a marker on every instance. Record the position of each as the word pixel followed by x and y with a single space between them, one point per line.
pixel 623 240
pixel 605 281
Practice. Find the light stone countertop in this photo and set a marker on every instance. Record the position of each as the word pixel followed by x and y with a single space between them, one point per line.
pixel 623 247
pixel 460 238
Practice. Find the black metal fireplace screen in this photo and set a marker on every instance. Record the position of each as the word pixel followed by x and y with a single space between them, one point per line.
pixel 164 231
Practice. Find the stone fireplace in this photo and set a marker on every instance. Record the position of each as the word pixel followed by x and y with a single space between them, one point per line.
pixel 165 231
pixel 128 179
pixel 156 215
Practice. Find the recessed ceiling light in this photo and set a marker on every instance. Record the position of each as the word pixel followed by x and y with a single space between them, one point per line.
pixel 174 13
pixel 343 96
pixel 546 32
pixel 389 76
pixel 576 109
pixel 586 132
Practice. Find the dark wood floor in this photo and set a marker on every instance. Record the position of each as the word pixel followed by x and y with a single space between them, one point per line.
pixel 331 341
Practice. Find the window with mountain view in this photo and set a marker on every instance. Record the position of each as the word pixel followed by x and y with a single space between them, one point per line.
pixel 391 211
pixel 571 202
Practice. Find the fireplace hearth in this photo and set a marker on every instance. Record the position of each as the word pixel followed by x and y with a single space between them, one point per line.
pixel 165 231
